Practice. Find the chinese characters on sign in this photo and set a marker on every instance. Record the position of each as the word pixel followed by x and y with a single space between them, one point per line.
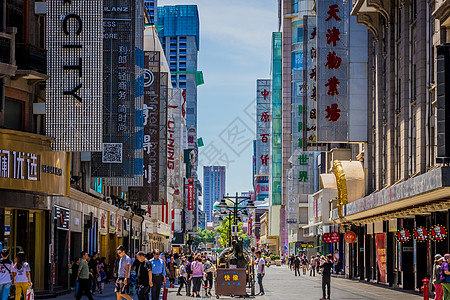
pixel 263 126
pixel 332 70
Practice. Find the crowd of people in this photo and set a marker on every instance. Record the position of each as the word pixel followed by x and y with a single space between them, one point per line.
pixel 143 275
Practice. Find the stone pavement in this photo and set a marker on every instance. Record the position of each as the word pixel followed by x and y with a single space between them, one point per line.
pixel 281 284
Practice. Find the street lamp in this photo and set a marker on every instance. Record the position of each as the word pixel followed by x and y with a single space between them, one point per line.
pixel 234 207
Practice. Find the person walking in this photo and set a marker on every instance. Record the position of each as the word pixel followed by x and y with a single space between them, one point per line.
pixel 312 266
pixel 21 276
pixel 210 269
pixel 326 267
pixel 5 274
pixel 445 276
pixel 84 283
pixel 182 278
pixel 172 270
pixel 304 263
pixel 123 274
pixel 436 277
pixel 93 263
pixel 197 274
pixel 260 271
pixel 144 274
pixel 336 261
pixel 158 274
pixel 189 274
pixel 297 265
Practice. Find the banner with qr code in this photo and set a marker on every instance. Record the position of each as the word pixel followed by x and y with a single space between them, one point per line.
pixel 120 162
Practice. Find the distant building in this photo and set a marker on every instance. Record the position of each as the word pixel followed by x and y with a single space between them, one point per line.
pixel 151 9
pixel 214 188
pixel 178 30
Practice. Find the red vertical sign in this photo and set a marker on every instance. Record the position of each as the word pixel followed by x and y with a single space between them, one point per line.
pixel 190 196
pixel 380 241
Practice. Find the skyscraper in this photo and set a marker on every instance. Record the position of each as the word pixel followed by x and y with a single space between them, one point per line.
pixel 214 188
pixel 179 34
pixel 151 9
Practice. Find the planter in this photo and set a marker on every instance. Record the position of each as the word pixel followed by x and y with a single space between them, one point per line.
pixel 278 262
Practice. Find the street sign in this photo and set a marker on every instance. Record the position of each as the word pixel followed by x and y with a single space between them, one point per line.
pixel 231 282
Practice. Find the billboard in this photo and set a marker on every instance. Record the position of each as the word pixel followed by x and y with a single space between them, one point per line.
pixel 332 72
pixel 262 190
pixel 74 65
pixel 120 161
pixel 263 125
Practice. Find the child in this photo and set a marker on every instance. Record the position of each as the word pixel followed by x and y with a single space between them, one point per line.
pixel 102 279
pixel 133 282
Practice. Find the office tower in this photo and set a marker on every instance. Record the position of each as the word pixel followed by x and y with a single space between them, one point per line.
pixel 214 188
pixel 151 9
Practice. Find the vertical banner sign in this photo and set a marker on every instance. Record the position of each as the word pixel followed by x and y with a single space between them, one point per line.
pixel 263 126
pixel 190 196
pixel 175 145
pixel 117 157
pixel 163 131
pixel 74 65
pixel 149 192
pixel 309 138
pixel 380 241
pixel 332 70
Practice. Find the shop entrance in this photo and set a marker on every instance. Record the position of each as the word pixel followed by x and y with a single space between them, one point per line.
pixel 61 258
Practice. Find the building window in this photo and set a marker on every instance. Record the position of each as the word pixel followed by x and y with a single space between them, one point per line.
pixel 182 65
pixel 13 114
pixel 182 77
pixel 182 45
pixel 182 58
pixel 183 39
pixel 182 51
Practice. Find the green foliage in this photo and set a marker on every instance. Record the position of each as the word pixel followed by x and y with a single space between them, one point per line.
pixel 204 236
pixel 224 232
pixel 274 257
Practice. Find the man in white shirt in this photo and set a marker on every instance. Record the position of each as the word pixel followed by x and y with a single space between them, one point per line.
pixel 123 274
pixel 261 271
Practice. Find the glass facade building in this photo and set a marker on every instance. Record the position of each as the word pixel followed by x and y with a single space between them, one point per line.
pixel 213 188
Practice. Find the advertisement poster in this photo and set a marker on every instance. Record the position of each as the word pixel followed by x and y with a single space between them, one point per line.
pixel 380 241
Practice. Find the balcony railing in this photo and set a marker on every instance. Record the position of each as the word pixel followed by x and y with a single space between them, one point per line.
pixel 30 57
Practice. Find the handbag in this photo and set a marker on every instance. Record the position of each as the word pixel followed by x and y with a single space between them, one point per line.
pixel 165 293
pixel 30 294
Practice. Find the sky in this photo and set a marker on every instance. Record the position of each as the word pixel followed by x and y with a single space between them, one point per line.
pixel 235 50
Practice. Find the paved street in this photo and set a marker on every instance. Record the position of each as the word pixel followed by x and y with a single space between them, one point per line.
pixel 281 284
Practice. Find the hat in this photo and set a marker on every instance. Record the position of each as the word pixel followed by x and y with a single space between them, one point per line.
pixel 438 257
pixel 446 256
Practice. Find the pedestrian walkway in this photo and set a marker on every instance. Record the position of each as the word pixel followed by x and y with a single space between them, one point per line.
pixel 281 284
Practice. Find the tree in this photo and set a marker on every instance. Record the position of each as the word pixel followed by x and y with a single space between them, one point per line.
pixel 224 232
pixel 203 236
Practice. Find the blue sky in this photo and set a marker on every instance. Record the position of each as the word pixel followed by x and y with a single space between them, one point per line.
pixel 235 41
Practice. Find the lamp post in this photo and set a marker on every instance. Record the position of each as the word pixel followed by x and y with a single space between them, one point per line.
pixel 235 208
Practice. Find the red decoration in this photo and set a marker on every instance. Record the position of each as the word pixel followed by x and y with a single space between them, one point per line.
pixel 333 36
pixel 265 117
pixel 332 13
pixel 333 61
pixel 264 137
pixel 265 93
pixel 403 235
pixel 264 159
pixel 420 234
pixel 331 238
pixel 332 85
pixel 333 112
pixel 438 233
pixel 350 237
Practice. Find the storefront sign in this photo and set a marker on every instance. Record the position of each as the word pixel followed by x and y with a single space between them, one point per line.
pixel 420 234
pixel 190 196
pixel 438 233
pixel 350 237
pixel 263 127
pixel 112 223
pixel 332 70
pixel 330 238
pixel 231 282
pixel 62 218
pixel 262 190
pixel 119 226
pixel 403 235
pixel 74 66
pixel 380 242
pixel 28 164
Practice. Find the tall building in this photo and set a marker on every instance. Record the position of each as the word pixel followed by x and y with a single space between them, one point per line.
pixel 179 34
pixel 151 10
pixel 214 188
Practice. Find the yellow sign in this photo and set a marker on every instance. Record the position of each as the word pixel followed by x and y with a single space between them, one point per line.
pixel 175 250
pixel 27 163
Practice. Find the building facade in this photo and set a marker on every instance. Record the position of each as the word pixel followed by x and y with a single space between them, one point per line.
pixel 213 188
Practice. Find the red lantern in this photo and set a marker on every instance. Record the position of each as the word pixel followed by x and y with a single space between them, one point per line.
pixel 326 238
pixel 350 237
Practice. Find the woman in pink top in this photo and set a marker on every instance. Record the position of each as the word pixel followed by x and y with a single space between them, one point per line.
pixel 197 274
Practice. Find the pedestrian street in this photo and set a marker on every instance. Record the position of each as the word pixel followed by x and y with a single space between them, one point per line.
pixel 281 284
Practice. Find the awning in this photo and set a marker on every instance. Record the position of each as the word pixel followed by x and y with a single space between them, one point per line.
pixel 428 187
pixel 312 225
